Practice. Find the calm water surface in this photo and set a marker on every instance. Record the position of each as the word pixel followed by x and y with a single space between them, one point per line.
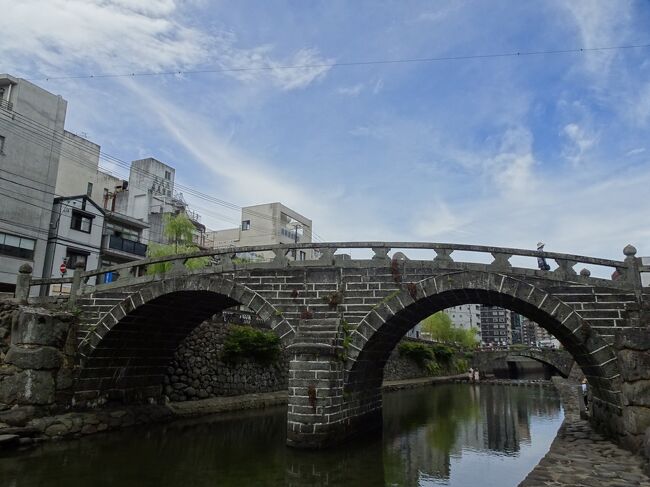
pixel 453 435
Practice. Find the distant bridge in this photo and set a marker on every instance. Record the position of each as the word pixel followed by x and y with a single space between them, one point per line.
pixel 341 317
pixel 558 359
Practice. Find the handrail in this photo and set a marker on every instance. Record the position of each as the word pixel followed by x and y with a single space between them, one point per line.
pixel 362 245
pixel 627 273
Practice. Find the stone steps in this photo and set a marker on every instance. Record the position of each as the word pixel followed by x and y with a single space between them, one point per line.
pixel 94 308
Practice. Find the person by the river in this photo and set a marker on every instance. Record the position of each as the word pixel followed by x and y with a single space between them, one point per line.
pixel 541 261
pixel 584 388
pixel 476 375
pixel 470 374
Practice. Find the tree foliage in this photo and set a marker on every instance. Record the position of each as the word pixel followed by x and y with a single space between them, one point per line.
pixel 440 328
pixel 247 342
pixel 179 231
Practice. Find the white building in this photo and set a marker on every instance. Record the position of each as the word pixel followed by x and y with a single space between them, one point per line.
pixel 75 235
pixel 465 316
pixel 31 130
pixel 267 224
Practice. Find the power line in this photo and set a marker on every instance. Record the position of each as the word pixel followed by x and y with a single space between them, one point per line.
pixel 58 213
pixel 49 135
pixel 581 50
pixel 41 134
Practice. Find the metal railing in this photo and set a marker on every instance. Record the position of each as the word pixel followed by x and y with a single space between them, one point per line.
pixel 6 104
pixel 126 245
pixel 626 274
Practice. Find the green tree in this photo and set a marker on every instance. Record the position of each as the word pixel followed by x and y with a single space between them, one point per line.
pixel 440 327
pixel 179 231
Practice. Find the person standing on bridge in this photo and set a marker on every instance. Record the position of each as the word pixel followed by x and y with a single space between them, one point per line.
pixel 541 261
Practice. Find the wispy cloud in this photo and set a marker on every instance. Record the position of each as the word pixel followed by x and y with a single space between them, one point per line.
pixel 107 36
pixel 580 142
pixel 353 90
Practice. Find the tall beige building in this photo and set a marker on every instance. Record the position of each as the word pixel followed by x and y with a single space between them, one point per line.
pixel 266 224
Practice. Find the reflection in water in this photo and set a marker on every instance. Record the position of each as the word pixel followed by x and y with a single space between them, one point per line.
pixel 458 435
pixel 425 435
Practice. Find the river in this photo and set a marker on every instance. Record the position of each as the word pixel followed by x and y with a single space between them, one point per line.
pixel 456 435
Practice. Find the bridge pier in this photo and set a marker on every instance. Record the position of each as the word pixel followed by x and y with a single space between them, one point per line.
pixel 321 410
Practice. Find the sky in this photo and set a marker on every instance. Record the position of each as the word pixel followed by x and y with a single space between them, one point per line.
pixel 503 151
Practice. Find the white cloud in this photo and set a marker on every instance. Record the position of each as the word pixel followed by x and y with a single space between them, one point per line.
pixel 580 142
pixel 634 152
pixel 61 37
pixel 600 23
pixel 438 220
pixel 351 90
pixel 379 85
pixel 512 167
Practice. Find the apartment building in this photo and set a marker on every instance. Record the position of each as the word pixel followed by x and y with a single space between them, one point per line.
pixel 31 134
pixel 267 224
pixel 496 326
pixel 466 316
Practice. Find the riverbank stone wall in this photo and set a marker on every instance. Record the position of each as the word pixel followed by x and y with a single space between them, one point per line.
pixel 38 365
pixel 199 371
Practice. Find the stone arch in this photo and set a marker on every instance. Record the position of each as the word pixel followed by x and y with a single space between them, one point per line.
pixel 381 329
pixel 563 367
pixel 127 352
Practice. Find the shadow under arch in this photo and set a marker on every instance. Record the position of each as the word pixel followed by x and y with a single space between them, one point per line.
pixel 126 355
pixel 382 328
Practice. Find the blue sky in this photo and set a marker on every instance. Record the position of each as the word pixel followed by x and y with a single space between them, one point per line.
pixel 503 151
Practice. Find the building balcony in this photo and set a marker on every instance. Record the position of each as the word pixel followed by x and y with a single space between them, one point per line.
pixel 123 247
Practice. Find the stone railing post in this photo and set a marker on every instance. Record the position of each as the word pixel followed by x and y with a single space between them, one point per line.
pixel 633 271
pixel 76 282
pixel 23 283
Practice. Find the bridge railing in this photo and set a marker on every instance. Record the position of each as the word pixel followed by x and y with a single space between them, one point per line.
pixel 624 274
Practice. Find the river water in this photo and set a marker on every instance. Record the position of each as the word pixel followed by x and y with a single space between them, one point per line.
pixel 455 435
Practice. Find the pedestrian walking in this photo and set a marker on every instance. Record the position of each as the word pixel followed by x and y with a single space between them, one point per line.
pixel 470 374
pixel 476 375
pixel 541 261
pixel 584 387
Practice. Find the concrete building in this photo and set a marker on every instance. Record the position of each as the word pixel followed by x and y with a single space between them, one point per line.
pixel 31 134
pixel 150 195
pixel 496 326
pixel 78 167
pixel 466 316
pixel 122 239
pixel 75 235
pixel 516 325
pixel 528 332
pixel 267 224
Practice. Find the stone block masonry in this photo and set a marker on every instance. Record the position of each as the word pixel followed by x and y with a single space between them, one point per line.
pixel 37 367
pixel 198 370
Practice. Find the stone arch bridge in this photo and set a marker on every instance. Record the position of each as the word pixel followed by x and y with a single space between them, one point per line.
pixel 341 315
pixel 558 359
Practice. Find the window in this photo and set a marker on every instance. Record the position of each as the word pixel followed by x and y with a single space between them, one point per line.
pixel 89 190
pixel 246 225
pixel 75 256
pixel 168 175
pixel 303 255
pixel 15 246
pixel 2 144
pixel 81 222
